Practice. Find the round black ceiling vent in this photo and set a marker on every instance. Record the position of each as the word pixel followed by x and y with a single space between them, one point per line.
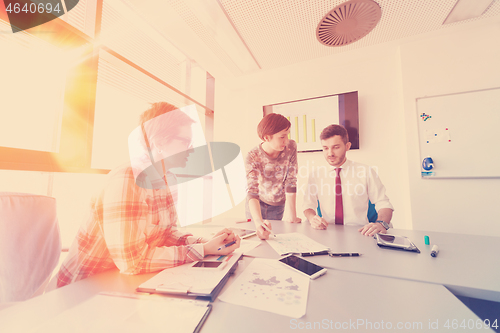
pixel 348 22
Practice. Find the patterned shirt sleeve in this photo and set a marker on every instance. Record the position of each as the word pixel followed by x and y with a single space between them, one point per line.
pixel 135 245
pixel 291 178
pixel 252 167
pixel 130 228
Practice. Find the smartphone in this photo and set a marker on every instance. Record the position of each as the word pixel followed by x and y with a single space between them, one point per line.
pixel 303 266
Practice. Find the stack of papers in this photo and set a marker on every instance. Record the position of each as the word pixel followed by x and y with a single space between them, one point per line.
pixel 268 285
pixel 295 243
pixel 247 246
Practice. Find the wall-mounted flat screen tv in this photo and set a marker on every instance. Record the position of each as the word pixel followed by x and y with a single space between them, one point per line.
pixel 310 116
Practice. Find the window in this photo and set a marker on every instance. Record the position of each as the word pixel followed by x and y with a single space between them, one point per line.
pixel 66 89
pixel 32 92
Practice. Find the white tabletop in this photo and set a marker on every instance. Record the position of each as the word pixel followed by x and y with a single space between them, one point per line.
pixel 466 264
pixel 351 301
pixel 336 299
pixel 355 294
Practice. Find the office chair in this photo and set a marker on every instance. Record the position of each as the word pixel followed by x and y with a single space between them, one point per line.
pixel 372 212
pixel 30 244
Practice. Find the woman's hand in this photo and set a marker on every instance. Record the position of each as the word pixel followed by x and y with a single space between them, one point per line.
pixel 261 231
pixel 219 241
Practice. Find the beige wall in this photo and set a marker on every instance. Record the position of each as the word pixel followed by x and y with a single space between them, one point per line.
pixel 388 78
pixel 451 63
pixel 376 77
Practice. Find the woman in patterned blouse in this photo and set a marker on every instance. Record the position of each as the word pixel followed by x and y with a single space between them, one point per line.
pixel 271 169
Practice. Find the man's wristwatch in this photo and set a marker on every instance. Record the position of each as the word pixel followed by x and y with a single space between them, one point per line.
pixel 386 226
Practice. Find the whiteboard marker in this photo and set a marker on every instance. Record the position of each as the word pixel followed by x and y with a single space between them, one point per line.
pixel 434 251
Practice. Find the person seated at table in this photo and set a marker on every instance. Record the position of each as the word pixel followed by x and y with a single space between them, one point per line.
pixel 343 189
pixel 132 221
pixel 272 175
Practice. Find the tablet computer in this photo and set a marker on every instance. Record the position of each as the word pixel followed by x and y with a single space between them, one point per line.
pixel 396 242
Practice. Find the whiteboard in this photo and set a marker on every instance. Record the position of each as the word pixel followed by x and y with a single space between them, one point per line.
pixel 461 133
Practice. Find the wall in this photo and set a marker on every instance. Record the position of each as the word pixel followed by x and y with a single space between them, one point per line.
pixel 374 72
pixel 456 62
pixel 389 78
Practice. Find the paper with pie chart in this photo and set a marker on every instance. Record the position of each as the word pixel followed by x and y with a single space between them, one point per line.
pixel 267 285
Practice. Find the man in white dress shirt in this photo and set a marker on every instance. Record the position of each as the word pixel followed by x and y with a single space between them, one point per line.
pixel 343 194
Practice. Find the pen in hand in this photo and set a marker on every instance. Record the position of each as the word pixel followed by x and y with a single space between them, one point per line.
pixel 226 245
pixel 267 228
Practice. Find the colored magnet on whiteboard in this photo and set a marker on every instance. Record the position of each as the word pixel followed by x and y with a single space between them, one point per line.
pixel 447 136
pixel 425 116
pixel 427 163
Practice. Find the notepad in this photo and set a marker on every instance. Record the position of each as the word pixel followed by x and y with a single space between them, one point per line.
pixel 295 243
pixel 247 246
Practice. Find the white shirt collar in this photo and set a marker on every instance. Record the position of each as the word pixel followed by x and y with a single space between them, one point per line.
pixel 346 164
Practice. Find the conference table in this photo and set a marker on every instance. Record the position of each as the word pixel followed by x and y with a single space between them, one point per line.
pixel 380 290
pixel 466 264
